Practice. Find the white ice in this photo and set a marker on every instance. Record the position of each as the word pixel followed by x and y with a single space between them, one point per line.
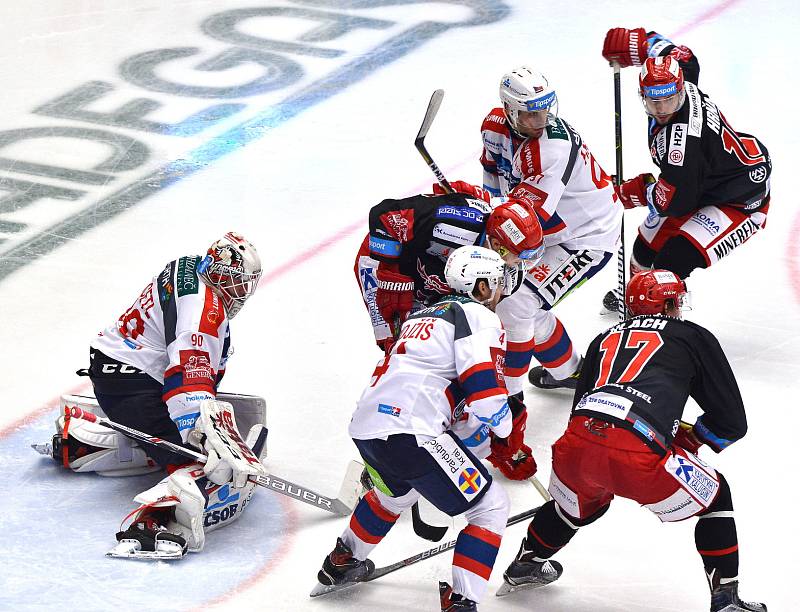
pixel 300 188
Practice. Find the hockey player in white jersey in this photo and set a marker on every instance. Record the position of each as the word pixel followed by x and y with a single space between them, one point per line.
pixel 156 369
pixel 401 427
pixel 532 154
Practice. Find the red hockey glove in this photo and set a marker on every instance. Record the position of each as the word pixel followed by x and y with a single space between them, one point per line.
pixel 520 467
pixel 386 344
pixel 625 47
pixel 504 449
pixel 686 438
pixel 633 192
pixel 464 187
pixel 394 298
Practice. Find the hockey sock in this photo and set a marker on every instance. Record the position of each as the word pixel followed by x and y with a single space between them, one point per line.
pixel 553 347
pixel 679 256
pixel 369 524
pixel 643 254
pixel 473 560
pixel 715 538
pixel 548 532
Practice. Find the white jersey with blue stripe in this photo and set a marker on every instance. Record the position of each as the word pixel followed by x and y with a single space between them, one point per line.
pixel 559 177
pixel 453 349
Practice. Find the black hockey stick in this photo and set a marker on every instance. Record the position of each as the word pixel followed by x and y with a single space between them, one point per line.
pixel 380 572
pixel 342 505
pixel 618 182
pixel 432 533
pixel 419 141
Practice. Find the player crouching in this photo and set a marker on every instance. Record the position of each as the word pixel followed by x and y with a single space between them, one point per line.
pixel 628 440
pixel 401 427
pixel 156 370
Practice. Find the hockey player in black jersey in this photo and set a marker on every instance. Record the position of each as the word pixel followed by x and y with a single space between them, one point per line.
pixel 625 437
pixel 713 190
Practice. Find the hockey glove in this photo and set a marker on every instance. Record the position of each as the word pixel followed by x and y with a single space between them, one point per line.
pixel 625 47
pixel 464 187
pixel 687 439
pixel 394 298
pixel 633 192
pixel 511 455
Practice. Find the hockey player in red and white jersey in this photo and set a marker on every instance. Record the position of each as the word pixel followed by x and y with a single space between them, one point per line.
pixel 625 438
pixel 154 370
pixel 532 154
pixel 713 190
pixel 402 428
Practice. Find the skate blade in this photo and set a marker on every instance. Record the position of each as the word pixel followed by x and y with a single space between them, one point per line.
pixel 43 449
pixel 324 589
pixel 168 551
pixel 507 589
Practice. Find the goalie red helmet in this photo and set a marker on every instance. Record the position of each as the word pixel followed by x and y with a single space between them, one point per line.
pixel 649 291
pixel 661 87
pixel 516 233
pixel 231 268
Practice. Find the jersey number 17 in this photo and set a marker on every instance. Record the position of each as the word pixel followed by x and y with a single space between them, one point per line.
pixel 646 343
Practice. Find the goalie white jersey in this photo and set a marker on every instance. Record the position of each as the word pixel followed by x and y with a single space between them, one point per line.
pixel 176 331
pixel 452 350
pixel 559 177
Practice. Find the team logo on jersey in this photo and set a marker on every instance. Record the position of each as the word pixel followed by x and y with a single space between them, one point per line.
pixel 401 224
pixel 469 481
pixel 196 366
pixel 757 175
pixel 662 194
pixel 432 282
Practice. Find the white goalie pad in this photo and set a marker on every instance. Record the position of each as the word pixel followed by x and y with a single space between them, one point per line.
pixel 122 456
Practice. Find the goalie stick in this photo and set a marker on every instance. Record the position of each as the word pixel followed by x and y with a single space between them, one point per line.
pixel 419 141
pixel 342 505
pixel 380 572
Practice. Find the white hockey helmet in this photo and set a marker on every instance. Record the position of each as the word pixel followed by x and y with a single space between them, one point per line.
pixel 526 90
pixel 468 264
pixel 231 268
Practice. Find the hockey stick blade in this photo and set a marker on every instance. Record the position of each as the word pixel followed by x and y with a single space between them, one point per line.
pixel 341 507
pixel 419 141
pixel 433 533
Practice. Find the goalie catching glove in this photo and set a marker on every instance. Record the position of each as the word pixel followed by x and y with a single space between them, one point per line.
pixel 230 459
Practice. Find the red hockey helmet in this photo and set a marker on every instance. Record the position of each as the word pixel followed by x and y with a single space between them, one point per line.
pixel 515 229
pixel 648 292
pixel 661 87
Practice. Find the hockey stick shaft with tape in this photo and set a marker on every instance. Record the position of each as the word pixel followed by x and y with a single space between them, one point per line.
pixel 618 182
pixel 419 141
pixel 343 505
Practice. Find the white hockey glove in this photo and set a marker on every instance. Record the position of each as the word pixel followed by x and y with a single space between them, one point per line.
pixel 229 457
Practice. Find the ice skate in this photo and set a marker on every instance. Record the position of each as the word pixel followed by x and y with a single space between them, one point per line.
pixel 610 304
pixel 526 572
pixel 453 602
pixel 725 598
pixel 539 377
pixel 341 570
pixel 147 540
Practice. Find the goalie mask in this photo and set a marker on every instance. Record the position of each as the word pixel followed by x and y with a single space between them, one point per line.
pixel 231 268
pixel 529 102
pixel 649 292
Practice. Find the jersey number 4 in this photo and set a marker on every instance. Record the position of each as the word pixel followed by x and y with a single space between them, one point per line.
pixel 646 344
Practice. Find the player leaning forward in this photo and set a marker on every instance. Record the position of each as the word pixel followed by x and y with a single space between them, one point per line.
pixel 713 190
pixel 401 427
pixel 625 438
pixel 156 369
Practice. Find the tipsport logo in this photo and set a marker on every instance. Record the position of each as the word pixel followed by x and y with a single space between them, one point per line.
pixel 246 72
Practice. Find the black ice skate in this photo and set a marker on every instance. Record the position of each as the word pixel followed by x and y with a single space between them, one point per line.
pixel 539 377
pixel 526 572
pixel 453 602
pixel 725 598
pixel 147 540
pixel 341 570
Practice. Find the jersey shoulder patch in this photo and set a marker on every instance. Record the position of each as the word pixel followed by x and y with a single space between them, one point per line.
pixel 557 130
pixel 187 281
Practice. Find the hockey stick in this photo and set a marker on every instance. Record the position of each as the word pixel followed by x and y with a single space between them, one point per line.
pixel 342 505
pixel 618 182
pixel 419 141
pixel 540 487
pixel 380 572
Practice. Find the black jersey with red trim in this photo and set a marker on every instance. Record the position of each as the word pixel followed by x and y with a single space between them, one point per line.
pixel 640 373
pixel 703 160
pixel 418 233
